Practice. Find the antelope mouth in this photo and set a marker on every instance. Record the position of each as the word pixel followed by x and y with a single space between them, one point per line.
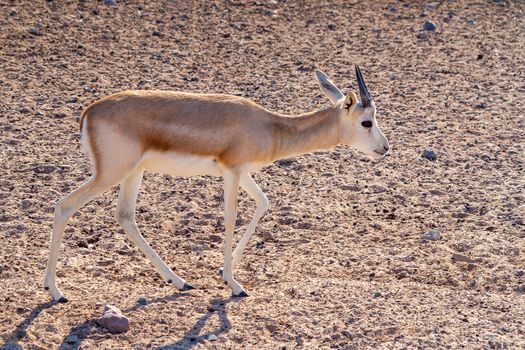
pixel 380 153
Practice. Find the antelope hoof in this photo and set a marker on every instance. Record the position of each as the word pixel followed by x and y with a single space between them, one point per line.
pixel 220 271
pixel 242 294
pixel 187 286
pixel 62 300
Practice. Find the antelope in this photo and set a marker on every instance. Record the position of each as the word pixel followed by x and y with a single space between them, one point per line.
pixel 191 134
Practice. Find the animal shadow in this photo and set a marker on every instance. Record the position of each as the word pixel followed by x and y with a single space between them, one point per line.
pixel 21 329
pixel 193 336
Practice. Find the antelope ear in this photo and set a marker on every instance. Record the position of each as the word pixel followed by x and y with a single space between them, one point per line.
pixel 328 88
pixel 350 101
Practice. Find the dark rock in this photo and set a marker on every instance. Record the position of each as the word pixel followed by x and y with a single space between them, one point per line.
pixel 429 25
pixel 485 157
pixel 480 106
pixel 267 235
pixel 72 339
pixel 428 153
pixel 422 36
pixel 518 273
pixel 44 169
pixel 113 320
pixel 156 33
pixel 142 301
pixel 35 31
pixel 272 328
pixel 73 99
pixel 110 2
pixel 347 334
pixel 378 295
pixel 432 235
pixel 331 26
pixel 215 238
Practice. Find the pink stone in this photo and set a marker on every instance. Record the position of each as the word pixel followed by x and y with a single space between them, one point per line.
pixel 113 320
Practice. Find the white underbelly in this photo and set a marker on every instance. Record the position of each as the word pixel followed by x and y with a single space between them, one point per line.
pixel 179 164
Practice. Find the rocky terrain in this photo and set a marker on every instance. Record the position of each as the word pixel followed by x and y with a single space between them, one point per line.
pixel 346 257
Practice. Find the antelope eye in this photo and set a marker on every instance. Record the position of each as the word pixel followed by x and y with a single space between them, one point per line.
pixel 367 124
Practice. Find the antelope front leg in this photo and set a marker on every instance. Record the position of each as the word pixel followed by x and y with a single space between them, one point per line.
pixel 257 194
pixel 231 186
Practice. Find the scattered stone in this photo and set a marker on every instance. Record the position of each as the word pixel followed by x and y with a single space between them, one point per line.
pixel 13 12
pixel 272 328
pixel 481 106
pixel 73 99
pixel 347 334
pixel 110 2
pixel 215 238
pixel 299 340
pixel 428 153
pixel 25 110
pixel 331 26
pixel 237 26
pixel 432 235
pixel 156 33
pixel 485 157
pixel 35 31
pixel 429 25
pixel 267 235
pixel 259 245
pixel 21 310
pixel 44 169
pixel 462 258
pixel 211 337
pixel 377 295
pixel 142 301
pixel 422 36
pixel 113 320
pixel 59 115
pixel 519 273
pixel 72 339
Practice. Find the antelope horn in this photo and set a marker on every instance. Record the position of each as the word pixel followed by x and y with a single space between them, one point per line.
pixel 366 99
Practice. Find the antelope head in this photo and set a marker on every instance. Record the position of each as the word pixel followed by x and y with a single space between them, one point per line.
pixel 359 127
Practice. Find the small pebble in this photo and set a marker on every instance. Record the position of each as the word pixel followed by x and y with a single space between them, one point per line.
pixel 422 36
pixel 142 301
pixel 267 235
pixel 110 2
pixel 35 31
pixel 432 235
pixel 429 154
pixel 72 339
pixel 378 295
pixel 429 25
pixel 211 337
pixel 519 273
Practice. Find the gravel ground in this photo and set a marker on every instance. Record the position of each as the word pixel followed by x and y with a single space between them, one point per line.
pixel 339 261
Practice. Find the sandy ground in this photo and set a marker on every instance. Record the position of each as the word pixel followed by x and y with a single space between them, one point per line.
pixel 338 262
